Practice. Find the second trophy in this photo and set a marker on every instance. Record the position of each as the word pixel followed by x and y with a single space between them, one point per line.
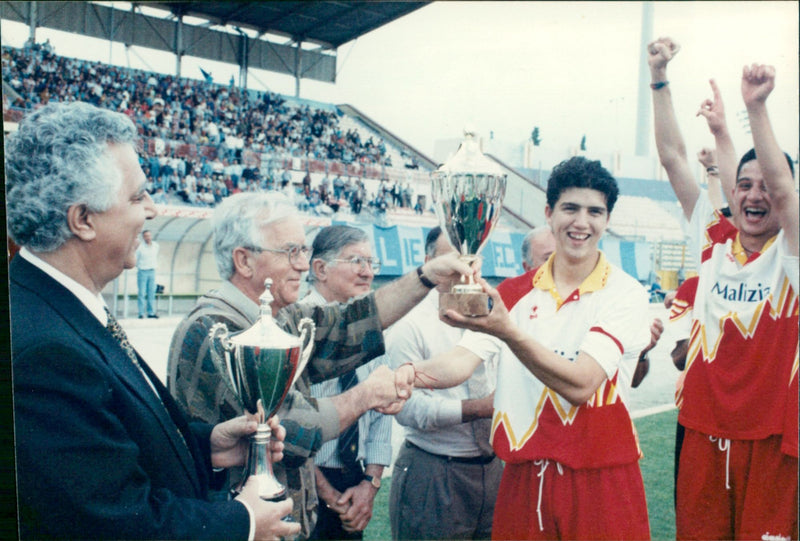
pixel 263 363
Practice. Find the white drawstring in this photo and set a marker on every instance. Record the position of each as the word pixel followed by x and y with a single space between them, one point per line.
pixel 724 445
pixel 543 463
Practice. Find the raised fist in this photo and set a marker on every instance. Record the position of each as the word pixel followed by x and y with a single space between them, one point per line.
pixel 661 51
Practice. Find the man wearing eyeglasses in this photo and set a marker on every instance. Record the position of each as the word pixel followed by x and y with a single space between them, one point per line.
pixel 348 470
pixel 259 236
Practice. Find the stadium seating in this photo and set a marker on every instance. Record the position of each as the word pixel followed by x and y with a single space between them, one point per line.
pixel 204 141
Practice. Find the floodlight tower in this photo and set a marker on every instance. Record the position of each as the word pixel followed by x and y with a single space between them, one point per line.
pixel 643 103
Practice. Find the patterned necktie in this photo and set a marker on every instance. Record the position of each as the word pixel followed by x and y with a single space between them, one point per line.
pixel 119 335
pixel 347 445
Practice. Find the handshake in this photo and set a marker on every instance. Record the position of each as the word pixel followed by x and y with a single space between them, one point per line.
pixel 386 391
pixel 389 389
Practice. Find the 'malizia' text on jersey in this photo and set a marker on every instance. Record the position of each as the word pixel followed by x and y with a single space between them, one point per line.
pixel 743 351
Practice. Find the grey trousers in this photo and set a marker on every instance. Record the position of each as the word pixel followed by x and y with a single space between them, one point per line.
pixel 434 497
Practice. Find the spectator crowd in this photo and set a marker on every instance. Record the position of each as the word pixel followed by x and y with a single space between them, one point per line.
pixel 206 141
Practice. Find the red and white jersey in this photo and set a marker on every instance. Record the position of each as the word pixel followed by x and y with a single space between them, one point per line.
pixel 680 321
pixel 741 369
pixel 680 312
pixel 607 317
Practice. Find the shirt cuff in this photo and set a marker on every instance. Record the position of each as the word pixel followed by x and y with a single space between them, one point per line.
pixel 252 516
pixel 378 453
pixel 328 419
pixel 450 413
pixel 604 349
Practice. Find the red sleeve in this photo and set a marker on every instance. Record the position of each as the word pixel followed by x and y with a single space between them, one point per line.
pixel 718 232
pixel 687 290
pixel 513 289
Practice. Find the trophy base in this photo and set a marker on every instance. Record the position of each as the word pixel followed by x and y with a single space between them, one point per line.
pixel 470 304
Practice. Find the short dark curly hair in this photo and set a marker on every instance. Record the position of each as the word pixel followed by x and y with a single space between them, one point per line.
pixel 750 155
pixel 578 172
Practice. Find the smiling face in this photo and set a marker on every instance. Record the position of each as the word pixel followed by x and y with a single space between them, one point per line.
pixel 341 281
pixel 118 228
pixel 286 276
pixel 578 220
pixel 753 207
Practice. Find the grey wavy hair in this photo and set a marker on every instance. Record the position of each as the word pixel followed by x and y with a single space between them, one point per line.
pixel 330 242
pixel 237 222
pixel 57 158
pixel 526 241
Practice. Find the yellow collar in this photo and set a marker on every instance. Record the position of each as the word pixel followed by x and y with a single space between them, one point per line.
pixel 543 279
pixel 740 253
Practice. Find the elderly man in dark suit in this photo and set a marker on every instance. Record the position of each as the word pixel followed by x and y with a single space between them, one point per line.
pixel 102 449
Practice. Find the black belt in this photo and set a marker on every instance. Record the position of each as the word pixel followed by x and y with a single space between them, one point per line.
pixel 480 459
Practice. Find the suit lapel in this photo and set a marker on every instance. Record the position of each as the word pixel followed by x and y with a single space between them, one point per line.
pixel 83 322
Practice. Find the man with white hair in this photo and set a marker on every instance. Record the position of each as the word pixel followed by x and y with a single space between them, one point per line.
pixel 102 449
pixel 259 236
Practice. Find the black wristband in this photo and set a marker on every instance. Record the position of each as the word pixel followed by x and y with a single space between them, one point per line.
pixel 427 283
pixel 659 85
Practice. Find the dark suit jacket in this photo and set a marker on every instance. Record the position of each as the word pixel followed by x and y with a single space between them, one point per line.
pixel 98 454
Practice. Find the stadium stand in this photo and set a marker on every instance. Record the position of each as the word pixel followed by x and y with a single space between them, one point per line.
pixel 204 141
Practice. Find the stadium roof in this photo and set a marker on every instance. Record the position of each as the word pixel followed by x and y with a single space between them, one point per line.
pixel 328 23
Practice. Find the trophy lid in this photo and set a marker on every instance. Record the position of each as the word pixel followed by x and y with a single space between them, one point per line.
pixel 265 333
pixel 469 158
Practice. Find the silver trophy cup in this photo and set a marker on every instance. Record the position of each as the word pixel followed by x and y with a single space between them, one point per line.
pixel 263 363
pixel 467 193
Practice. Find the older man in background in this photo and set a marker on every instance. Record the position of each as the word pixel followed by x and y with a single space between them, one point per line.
pixel 259 236
pixel 537 246
pixel 348 470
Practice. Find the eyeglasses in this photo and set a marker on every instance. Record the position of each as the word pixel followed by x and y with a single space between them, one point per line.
pixel 294 252
pixel 361 263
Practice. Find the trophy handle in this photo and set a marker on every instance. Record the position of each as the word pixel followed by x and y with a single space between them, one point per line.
pixel 307 331
pixel 219 346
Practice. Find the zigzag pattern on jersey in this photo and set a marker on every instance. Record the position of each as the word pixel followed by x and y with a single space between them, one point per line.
pixel 606 394
pixel 679 309
pixel 717 231
pixel 785 306
pixel 595 434
pixel 764 317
